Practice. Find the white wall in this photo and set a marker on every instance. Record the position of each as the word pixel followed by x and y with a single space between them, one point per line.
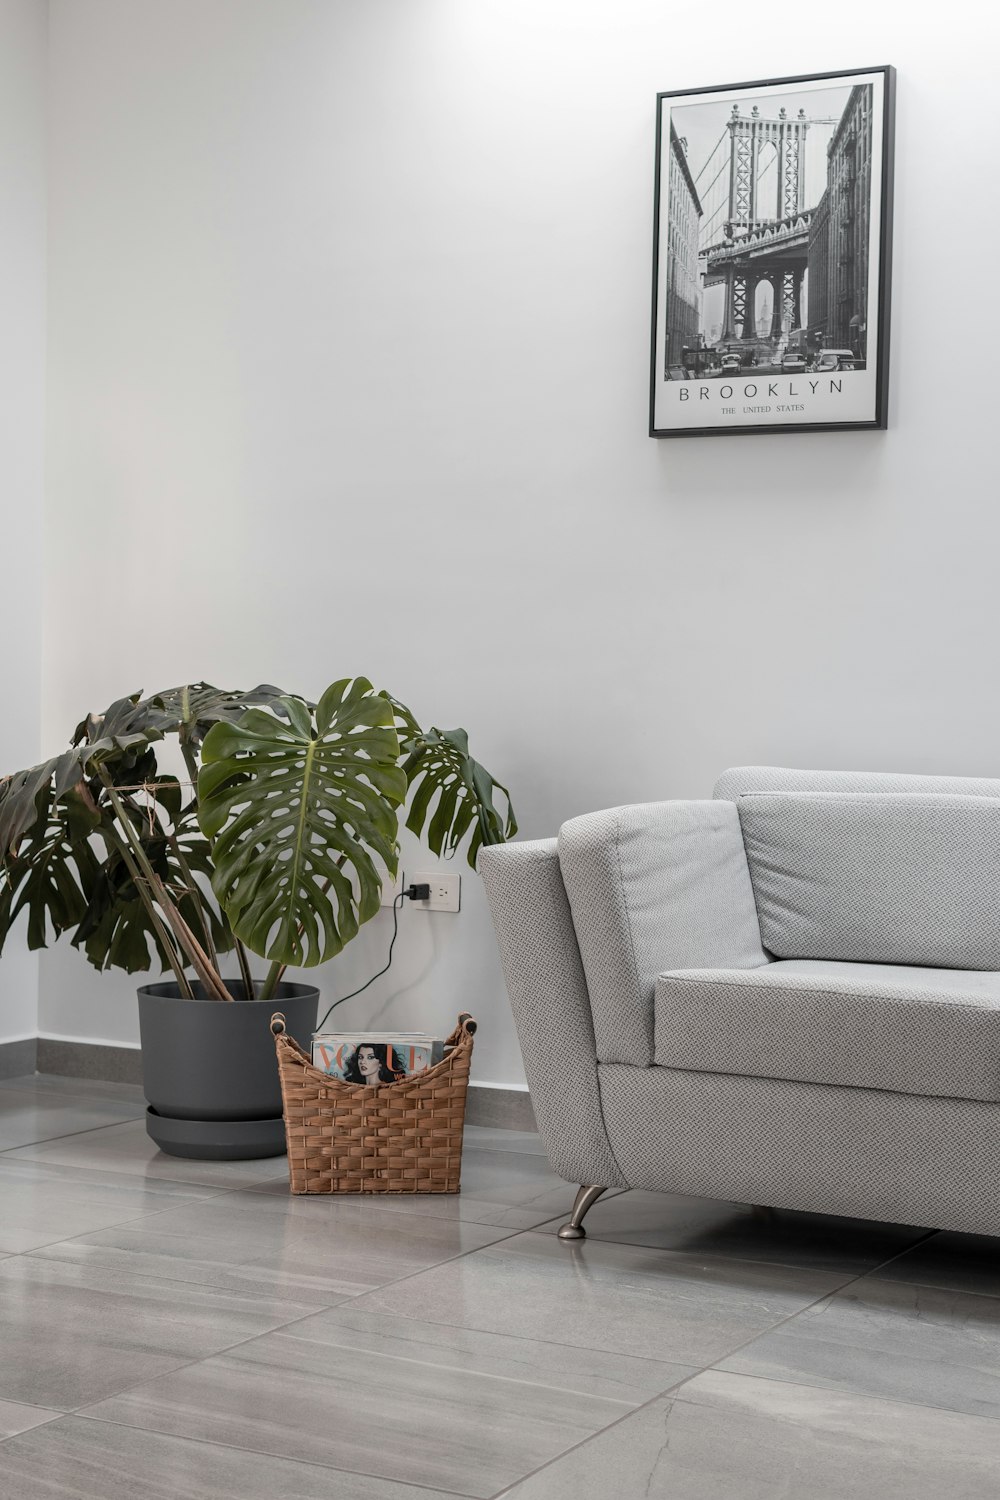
pixel 22 391
pixel 349 312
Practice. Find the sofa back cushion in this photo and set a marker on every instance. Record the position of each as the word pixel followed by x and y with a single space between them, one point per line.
pixel 740 781
pixel 870 877
pixel 659 885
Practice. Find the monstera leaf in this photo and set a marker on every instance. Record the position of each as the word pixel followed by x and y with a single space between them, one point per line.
pixel 55 816
pixel 28 796
pixel 52 876
pixel 438 764
pixel 48 865
pixel 116 930
pixel 295 807
pixel 188 711
pixel 299 800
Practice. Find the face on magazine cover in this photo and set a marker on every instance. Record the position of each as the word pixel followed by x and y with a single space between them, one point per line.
pixel 372 1063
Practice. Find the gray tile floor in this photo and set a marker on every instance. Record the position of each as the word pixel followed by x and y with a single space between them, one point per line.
pixel 175 1330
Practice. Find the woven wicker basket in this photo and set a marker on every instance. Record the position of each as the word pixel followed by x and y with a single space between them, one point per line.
pixel 401 1137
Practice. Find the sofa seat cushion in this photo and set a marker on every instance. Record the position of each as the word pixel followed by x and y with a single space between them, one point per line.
pixel 873 877
pixel 931 1032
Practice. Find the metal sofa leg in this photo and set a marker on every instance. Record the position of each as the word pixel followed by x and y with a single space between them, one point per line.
pixel 586 1197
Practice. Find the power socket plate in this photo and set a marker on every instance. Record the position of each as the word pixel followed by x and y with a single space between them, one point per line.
pixel 446 891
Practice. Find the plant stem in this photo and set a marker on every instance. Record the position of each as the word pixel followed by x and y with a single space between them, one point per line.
pixel 192 767
pixel 197 956
pixel 272 981
pixel 244 962
pixel 209 976
pixel 166 942
pixel 196 899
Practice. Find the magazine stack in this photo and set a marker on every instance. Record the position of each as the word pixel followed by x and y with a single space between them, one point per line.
pixel 375 1057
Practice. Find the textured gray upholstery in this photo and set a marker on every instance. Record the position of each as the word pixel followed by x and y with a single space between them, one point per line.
pixel 655 886
pixel 861 1025
pixel 896 1157
pixel 897 878
pixel 739 781
pixel 667 887
pixel 548 995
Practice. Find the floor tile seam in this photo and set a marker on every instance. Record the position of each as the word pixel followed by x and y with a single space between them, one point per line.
pixel 69 1083
pixel 24 1082
pixel 485 1249
pixel 166 1281
pixel 649 1359
pixel 601 1432
pixel 934 1286
pixel 386 1202
pixel 840 1390
pixel 602 1237
pixel 433 1365
pixel 70 1239
pixel 435 1265
pixel 31 1405
pixel 135 1178
pixel 47 1073
pixel 716 1368
pixel 56 1416
pixel 803 1311
pixel 815 1333
pixel 921 1239
pixel 873 1273
pixel 69 1135
pixel 713 1261
pixel 371 1200
pixel 205 1286
pixel 44 1098
pixel 310 1463
pixel 541 1156
pixel 205 1194
pixel 187 1364
pixel 39 1143
pixel 121 1111
pixel 206 1197
pixel 45 1095
pixel 56 1411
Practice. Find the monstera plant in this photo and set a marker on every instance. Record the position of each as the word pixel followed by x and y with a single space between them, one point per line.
pixel 275 841
pixel 269 844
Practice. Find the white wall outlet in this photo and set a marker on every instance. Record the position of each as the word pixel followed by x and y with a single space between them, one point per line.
pixel 391 889
pixel 446 891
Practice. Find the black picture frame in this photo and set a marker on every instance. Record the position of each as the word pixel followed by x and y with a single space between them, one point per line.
pixel 715 252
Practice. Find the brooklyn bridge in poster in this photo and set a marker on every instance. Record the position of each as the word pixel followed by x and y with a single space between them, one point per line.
pixel 772 255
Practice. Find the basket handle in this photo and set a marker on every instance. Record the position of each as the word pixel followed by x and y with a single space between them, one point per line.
pixel 465 1030
pixel 277 1024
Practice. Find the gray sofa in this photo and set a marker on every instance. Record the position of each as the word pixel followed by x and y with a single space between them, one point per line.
pixel 786 996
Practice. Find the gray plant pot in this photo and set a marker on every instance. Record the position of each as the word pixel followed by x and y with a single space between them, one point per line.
pixel 209 1069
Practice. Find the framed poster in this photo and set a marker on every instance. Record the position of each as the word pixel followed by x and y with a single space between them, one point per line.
pixel 772 253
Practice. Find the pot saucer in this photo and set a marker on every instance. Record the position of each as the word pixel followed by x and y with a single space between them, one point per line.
pixel 216 1140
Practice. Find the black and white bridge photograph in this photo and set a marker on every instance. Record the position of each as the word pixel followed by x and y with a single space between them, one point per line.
pixel 767 191
pixel 772 255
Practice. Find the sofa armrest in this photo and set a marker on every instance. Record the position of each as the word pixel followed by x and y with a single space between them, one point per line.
pixel 548 995
pixel 655 886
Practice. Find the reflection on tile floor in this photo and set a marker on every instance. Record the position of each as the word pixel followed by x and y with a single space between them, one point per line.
pixel 174 1329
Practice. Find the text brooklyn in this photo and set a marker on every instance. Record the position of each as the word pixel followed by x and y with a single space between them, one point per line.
pixel 750 390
